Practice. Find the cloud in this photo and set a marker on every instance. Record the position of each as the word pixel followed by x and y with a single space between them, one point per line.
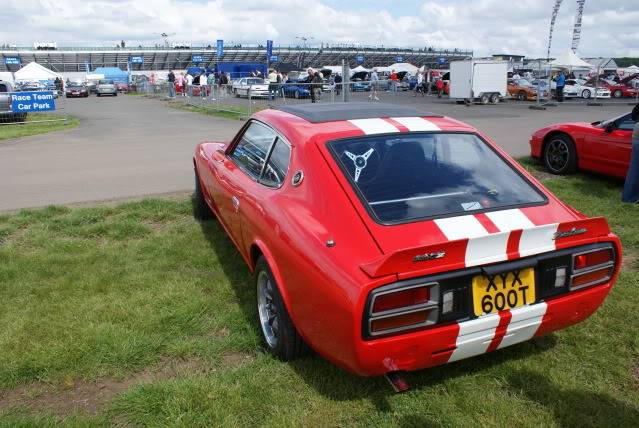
pixel 486 26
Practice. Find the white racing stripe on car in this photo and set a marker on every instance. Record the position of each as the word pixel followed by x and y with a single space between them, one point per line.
pixel 508 220
pixel 474 337
pixel 466 226
pixel 524 324
pixel 537 240
pixel 487 249
pixel 416 123
pixel 374 126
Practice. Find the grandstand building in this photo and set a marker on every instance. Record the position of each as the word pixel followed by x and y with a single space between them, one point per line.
pixel 74 59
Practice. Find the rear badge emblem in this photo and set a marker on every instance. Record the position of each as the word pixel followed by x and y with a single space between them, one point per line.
pixel 428 256
pixel 572 232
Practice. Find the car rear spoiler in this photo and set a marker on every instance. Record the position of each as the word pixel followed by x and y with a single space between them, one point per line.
pixel 491 248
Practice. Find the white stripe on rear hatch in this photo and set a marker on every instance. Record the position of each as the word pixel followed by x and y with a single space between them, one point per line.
pixel 374 126
pixel 466 226
pixel 508 220
pixel 537 240
pixel 417 123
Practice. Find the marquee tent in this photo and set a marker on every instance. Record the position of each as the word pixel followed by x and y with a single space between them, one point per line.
pixel 569 60
pixel 34 72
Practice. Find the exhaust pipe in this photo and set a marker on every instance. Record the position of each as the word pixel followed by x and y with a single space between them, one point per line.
pixel 397 381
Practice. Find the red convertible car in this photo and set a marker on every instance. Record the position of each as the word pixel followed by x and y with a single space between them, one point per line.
pixel 603 146
pixel 387 240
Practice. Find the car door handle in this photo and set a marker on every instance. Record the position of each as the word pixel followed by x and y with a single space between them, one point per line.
pixel 236 203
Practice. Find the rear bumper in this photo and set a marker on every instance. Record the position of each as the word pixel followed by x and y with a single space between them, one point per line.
pixel 457 341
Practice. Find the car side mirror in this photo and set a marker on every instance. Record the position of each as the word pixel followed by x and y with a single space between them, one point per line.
pixel 609 128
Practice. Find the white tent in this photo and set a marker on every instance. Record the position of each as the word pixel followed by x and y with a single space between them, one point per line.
pixel 632 69
pixel 404 66
pixel 334 68
pixel 34 72
pixel 359 68
pixel 569 60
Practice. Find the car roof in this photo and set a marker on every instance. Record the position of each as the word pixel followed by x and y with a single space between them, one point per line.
pixel 320 113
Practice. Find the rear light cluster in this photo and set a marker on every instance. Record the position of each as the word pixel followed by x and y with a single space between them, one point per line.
pixel 420 303
pixel 592 268
pixel 403 308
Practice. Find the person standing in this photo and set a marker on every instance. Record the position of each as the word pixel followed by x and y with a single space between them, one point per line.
pixel 394 80
pixel 309 80
pixel 171 80
pixel 318 84
pixel 418 85
pixel 374 85
pixel 180 84
pixel 440 87
pixel 189 84
pixel 210 84
pixel 203 86
pixel 272 85
pixel 561 82
pixel 338 83
pixel 631 185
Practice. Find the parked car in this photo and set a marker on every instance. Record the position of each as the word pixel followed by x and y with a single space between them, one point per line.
pixel 292 89
pixel 521 89
pixel 622 88
pixel 394 245
pixel 6 114
pixel 106 87
pixel 361 86
pixel 122 86
pixel 254 87
pixel 603 146
pixel 577 89
pixel 76 91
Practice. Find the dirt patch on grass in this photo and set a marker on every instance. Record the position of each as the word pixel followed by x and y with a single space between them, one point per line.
pixel 630 260
pixel 634 371
pixel 91 397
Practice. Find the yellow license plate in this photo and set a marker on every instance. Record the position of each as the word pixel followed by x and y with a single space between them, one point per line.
pixel 503 291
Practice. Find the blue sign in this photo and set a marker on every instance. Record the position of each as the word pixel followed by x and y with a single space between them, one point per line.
pixel 359 59
pixel 220 48
pixel 12 60
pixel 27 102
pixel 137 59
pixel 441 61
pixel 196 59
pixel 274 58
pixel 399 59
pixel 269 48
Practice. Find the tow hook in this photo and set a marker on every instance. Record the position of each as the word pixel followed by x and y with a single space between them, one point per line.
pixel 397 381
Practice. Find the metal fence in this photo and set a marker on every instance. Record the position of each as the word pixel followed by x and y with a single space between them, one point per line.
pixel 10 118
pixel 244 100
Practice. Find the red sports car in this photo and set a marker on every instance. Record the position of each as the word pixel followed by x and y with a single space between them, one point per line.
pixel 387 239
pixel 621 88
pixel 602 147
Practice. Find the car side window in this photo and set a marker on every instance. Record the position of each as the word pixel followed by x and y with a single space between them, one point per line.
pixel 3 87
pixel 626 123
pixel 251 151
pixel 277 165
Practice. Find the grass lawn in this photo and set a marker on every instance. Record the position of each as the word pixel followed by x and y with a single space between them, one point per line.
pixel 139 315
pixel 34 125
pixel 226 111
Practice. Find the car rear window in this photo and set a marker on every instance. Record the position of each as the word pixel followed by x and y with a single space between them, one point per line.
pixel 413 176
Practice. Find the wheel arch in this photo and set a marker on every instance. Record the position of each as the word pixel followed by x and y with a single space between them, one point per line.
pixel 555 133
pixel 259 249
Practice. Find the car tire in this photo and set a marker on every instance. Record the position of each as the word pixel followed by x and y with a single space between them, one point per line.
pixel 494 99
pixel 278 332
pixel 485 99
pixel 521 96
pixel 560 155
pixel 97 95
pixel 201 210
pixel 617 93
pixel 235 93
pixel 586 94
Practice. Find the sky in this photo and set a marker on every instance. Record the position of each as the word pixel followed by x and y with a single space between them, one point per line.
pixel 610 27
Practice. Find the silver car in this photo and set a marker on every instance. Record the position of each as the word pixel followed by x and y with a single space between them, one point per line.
pixel 106 87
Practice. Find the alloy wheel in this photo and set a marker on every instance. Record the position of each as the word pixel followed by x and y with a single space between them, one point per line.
pixel 269 318
pixel 557 155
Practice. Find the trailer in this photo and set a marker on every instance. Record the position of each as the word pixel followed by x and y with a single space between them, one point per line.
pixel 478 80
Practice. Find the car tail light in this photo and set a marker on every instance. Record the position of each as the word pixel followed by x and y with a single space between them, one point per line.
pixel 592 268
pixel 401 299
pixel 399 321
pixel 393 309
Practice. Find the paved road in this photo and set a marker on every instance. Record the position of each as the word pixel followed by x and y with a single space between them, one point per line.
pixel 125 146
pixel 131 146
